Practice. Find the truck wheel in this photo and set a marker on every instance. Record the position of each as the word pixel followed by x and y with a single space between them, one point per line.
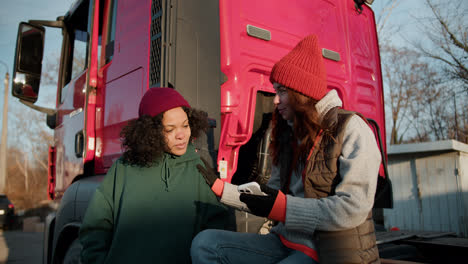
pixel 72 256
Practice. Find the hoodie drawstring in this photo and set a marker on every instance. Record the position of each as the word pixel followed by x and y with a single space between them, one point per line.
pixel 165 175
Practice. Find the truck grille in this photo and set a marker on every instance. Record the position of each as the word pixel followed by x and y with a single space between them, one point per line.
pixel 156 36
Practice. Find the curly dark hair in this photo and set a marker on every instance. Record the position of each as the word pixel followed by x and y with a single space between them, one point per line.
pixel 143 139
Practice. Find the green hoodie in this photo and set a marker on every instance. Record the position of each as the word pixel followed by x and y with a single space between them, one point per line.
pixel 150 215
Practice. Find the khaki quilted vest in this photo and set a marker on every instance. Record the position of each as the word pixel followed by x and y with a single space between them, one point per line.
pixel 355 245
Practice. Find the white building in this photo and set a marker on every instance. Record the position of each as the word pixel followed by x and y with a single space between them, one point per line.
pixel 430 187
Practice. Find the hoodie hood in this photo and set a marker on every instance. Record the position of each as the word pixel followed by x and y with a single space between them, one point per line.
pixel 170 161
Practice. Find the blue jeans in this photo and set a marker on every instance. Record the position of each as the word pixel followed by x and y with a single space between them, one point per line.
pixel 220 246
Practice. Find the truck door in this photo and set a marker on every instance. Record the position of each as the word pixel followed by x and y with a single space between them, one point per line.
pixel 123 73
pixel 73 140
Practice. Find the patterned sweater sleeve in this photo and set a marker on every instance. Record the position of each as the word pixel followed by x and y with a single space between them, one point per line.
pixel 359 165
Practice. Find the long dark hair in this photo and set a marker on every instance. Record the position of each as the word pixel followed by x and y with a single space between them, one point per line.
pixel 143 140
pixel 306 127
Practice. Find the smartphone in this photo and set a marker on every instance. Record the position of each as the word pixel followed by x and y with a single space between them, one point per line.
pixel 250 188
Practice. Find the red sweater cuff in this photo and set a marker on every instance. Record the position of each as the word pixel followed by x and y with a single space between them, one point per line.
pixel 278 212
pixel 218 187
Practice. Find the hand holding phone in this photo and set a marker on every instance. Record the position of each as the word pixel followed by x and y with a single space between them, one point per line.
pixel 250 188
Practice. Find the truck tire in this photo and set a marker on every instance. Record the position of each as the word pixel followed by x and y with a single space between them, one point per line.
pixel 72 256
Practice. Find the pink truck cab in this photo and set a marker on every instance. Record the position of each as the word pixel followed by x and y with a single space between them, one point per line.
pixel 218 54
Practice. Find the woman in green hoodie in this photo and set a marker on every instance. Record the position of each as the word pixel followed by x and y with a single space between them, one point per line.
pixel 153 200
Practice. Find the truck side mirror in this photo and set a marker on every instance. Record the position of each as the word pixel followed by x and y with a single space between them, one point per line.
pixel 28 62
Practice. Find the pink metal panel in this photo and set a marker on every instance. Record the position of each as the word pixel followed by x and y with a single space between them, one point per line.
pixel 120 105
pixel 247 60
pixel 123 80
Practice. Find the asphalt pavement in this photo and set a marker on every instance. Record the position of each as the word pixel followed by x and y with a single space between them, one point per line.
pixel 20 247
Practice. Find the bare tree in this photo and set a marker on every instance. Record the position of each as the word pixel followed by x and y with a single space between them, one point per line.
pixel 52 64
pixel 425 89
pixel 421 105
pixel 27 180
pixel 27 157
pixel 401 74
pixel 50 70
pixel 446 39
pixel 425 81
pixel 384 29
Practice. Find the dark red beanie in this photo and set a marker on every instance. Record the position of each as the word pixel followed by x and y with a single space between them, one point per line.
pixel 159 100
pixel 302 69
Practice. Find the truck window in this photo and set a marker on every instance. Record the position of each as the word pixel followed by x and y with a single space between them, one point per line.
pixel 79 27
pixel 80 47
pixel 76 45
pixel 109 50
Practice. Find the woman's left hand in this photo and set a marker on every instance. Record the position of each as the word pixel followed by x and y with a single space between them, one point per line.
pixel 261 205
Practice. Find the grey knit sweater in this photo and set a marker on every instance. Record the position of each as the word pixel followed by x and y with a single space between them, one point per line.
pixel 354 196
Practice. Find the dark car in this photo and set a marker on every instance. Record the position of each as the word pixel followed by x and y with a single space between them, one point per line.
pixel 7 212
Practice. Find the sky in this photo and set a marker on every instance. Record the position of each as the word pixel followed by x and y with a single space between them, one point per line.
pixel 404 16
pixel 12 12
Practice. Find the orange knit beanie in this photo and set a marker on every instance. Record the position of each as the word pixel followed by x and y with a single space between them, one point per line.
pixel 302 69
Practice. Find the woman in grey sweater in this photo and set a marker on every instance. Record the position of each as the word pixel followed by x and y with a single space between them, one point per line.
pixel 323 182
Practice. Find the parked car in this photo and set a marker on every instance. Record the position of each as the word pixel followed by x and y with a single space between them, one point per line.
pixel 7 212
